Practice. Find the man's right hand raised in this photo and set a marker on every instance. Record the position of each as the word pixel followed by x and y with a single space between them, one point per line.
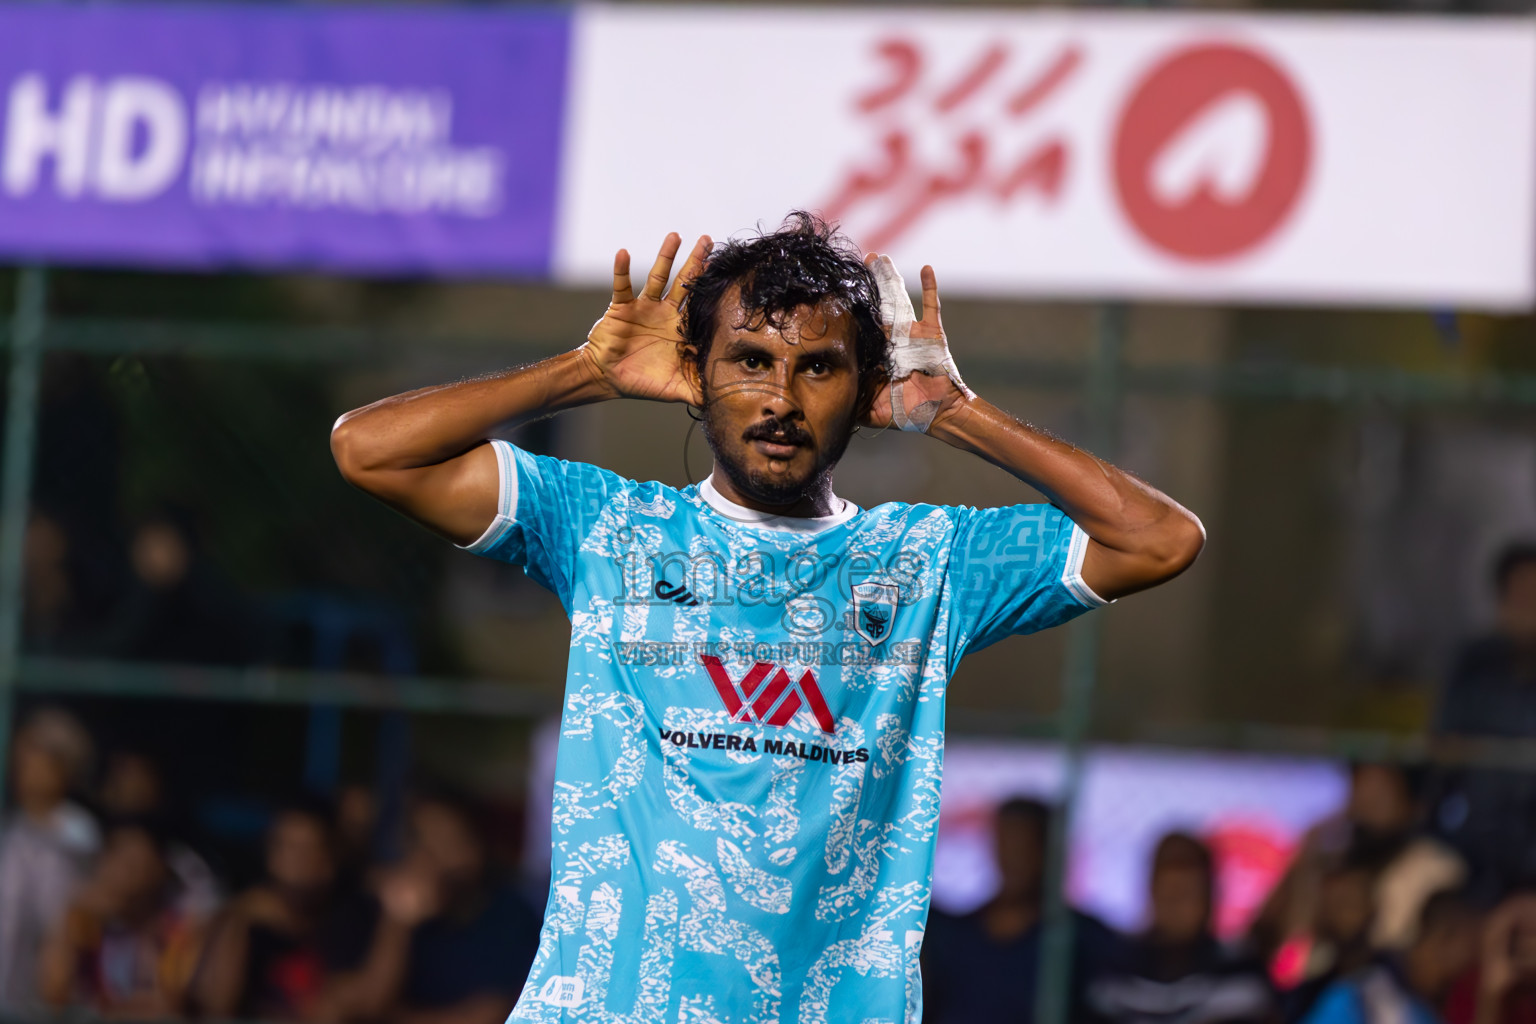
pixel 635 349
pixel 424 452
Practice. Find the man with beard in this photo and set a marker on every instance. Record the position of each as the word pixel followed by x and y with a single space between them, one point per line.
pixel 748 774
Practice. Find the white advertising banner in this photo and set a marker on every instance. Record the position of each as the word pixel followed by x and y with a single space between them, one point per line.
pixel 1229 158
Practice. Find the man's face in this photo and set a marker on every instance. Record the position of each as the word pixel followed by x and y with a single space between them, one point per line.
pixel 1181 907
pixel 450 846
pixel 1345 909
pixel 160 556
pixel 1444 954
pixel 299 855
pixel 131 871
pixel 1517 605
pixel 1379 802
pixel 1522 949
pixel 39 776
pixel 132 785
pixel 1020 856
pixel 779 406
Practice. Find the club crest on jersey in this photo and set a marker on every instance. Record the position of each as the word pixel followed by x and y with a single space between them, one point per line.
pixel 874 608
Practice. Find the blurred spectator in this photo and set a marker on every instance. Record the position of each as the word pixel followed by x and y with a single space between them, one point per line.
pixel 1502 990
pixel 1491 692
pixel 278 949
pixel 982 967
pixel 1407 987
pixel 357 813
pixel 49 591
pixel 68 585
pixel 45 848
pixel 132 787
pixel 124 948
pixel 455 942
pixel 1378 831
pixel 1492 689
pixel 1176 971
pixel 79 456
pixel 177 609
pixel 1341 936
pixel 1386 836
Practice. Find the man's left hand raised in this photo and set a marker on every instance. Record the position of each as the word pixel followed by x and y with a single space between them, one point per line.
pixel 925 383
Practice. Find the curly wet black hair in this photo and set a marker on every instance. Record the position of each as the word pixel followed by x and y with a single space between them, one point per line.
pixel 806 262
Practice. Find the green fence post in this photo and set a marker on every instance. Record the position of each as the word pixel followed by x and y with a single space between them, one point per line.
pixel 1104 392
pixel 27 325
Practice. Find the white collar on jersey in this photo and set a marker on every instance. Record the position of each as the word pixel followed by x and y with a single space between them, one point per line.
pixel 769 521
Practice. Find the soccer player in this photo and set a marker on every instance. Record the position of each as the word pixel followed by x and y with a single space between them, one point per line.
pixel 747 787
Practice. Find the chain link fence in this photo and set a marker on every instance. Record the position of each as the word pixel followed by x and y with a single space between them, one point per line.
pixel 182 567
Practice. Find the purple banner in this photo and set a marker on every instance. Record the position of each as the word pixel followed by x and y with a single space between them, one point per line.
pixel 383 140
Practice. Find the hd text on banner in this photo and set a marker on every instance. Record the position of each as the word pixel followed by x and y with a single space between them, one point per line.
pixel 384 140
pixel 1187 156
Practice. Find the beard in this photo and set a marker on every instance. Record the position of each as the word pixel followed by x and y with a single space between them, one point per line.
pixel 732 456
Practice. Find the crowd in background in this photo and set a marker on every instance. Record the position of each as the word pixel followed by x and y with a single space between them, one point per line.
pixel 156 597
pixel 105 906
pixel 1415 904
pixel 1375 922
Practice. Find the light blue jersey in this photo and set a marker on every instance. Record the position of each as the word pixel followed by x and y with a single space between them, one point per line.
pixel 747 786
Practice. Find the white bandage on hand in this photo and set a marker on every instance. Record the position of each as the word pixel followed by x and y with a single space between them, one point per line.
pixel 908 354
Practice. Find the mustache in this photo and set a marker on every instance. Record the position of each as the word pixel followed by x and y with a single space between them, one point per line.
pixel 777 431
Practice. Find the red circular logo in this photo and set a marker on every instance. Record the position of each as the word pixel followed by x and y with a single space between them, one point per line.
pixel 1211 152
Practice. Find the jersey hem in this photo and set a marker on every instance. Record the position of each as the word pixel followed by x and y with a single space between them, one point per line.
pixel 506 501
pixel 1072 575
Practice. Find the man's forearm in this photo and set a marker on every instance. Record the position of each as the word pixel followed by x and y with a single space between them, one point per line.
pixel 423 452
pixel 424 427
pixel 1146 536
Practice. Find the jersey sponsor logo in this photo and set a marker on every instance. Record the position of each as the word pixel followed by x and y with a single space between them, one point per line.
pixel 709 740
pixel 874 606
pixel 748 745
pixel 766 694
pixel 815 752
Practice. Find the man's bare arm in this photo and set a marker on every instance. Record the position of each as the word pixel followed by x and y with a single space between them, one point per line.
pixel 1139 537
pixel 424 452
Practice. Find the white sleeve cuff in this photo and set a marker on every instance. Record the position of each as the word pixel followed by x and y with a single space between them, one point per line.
pixel 1072 575
pixel 506 500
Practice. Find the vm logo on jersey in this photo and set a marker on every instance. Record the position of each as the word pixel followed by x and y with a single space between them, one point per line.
pixel 766 694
